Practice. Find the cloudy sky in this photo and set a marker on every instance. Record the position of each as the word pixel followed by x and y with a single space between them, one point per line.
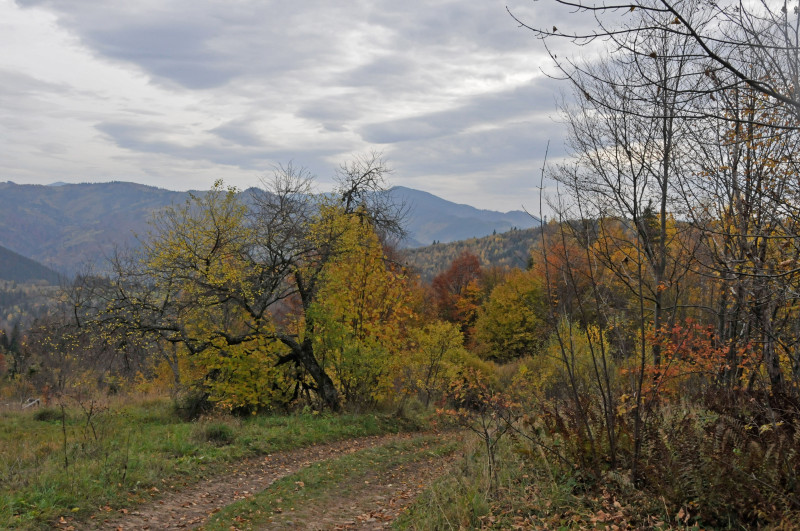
pixel 179 93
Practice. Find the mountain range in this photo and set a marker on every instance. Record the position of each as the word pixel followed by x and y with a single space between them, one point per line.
pixel 67 226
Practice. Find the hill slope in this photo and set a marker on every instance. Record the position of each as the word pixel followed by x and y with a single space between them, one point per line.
pixel 509 249
pixel 65 226
pixel 16 268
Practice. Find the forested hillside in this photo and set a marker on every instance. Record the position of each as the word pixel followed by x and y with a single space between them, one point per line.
pixel 22 303
pixel 507 250
pixel 26 289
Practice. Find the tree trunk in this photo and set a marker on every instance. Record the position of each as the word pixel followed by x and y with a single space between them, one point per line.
pixel 325 388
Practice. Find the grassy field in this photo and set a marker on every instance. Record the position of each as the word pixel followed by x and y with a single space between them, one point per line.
pixel 116 455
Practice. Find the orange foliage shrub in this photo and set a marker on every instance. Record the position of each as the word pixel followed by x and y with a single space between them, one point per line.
pixel 693 357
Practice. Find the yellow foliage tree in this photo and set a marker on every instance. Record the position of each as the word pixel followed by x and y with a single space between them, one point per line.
pixel 512 322
pixel 362 308
pixel 235 281
pixel 437 355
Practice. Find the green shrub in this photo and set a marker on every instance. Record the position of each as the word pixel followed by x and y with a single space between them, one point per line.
pixel 48 414
pixel 217 433
pixel 193 403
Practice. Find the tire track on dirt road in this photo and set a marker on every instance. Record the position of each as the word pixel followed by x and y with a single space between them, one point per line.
pixel 190 507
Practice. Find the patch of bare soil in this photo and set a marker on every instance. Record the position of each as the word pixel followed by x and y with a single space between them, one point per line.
pixel 189 508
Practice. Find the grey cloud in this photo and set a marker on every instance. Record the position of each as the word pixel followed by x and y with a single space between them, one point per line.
pixel 146 139
pixel 480 110
pixel 239 132
pixel 385 71
pixel 333 111
pixel 334 128
pixel 15 84
pixel 25 118
pixel 469 26
pixel 167 44
pixel 209 45
pixel 403 130
pixel 204 46
pixel 167 50
pixel 522 142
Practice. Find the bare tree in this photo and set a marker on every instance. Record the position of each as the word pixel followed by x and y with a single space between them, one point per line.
pixel 744 192
pixel 629 148
pixel 729 38
pixel 720 77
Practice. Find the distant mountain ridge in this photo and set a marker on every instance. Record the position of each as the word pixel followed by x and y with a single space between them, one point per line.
pixel 432 218
pixel 67 226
